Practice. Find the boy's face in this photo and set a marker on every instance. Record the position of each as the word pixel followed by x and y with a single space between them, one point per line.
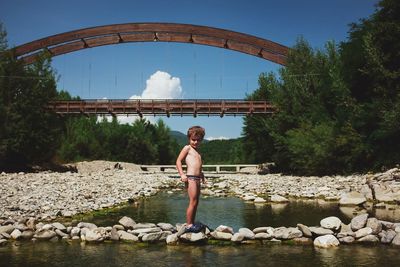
pixel 194 141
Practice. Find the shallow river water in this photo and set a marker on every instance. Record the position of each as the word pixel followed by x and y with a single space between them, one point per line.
pixel 213 212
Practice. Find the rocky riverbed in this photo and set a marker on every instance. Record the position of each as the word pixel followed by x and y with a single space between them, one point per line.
pixel 30 203
pixel 102 184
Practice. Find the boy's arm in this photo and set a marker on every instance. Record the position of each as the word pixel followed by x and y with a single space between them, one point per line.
pixel 179 160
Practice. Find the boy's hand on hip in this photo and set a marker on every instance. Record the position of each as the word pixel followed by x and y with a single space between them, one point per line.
pixel 184 178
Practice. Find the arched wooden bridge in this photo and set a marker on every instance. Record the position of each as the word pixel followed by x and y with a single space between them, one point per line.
pixel 149 32
pixel 156 32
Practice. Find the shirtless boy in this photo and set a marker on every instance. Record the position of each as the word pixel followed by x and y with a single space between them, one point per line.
pixel 193 174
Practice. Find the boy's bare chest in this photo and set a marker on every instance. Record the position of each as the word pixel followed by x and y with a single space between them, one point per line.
pixel 193 155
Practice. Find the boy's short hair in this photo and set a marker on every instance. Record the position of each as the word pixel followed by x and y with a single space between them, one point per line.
pixel 196 131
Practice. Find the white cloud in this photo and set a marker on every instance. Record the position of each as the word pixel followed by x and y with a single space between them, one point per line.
pixel 160 85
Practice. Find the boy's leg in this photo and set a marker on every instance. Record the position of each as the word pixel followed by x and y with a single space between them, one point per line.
pixel 194 193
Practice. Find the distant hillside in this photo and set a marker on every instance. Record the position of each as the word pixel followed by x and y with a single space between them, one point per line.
pixel 180 138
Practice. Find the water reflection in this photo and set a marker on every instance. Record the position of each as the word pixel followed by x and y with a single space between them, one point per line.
pixel 351 212
pixel 278 208
pixel 236 213
pixel 127 254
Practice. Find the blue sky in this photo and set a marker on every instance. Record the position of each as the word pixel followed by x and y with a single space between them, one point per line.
pixel 121 71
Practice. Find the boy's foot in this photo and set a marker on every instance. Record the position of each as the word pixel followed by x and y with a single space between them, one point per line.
pixel 195 228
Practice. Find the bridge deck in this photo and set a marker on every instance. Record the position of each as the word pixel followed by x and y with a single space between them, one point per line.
pixel 167 107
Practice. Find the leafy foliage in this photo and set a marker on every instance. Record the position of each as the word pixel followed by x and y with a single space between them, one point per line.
pixel 222 151
pixel 29 133
pixel 339 109
pixel 141 142
pixel 373 54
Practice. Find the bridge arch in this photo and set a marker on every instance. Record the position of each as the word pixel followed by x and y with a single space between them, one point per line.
pixel 148 32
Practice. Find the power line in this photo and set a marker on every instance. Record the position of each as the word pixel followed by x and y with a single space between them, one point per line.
pixel 25 77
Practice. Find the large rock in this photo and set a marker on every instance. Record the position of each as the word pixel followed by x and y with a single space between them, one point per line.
pixel 146 230
pixel 279 199
pixel 304 229
pixel 143 226
pixel 367 192
pixel 238 237
pixel 259 200
pixel 345 230
pixel 263 236
pixel 7 229
pixel 59 226
pixel 93 236
pixel 332 223
pixel 387 236
pixel 75 231
pixel 387 225
pixel 166 226
pixel 225 229
pixel 326 241
pixel 248 234
pixel 221 235
pixel 347 239
pixel 21 227
pixel 30 223
pixel 294 233
pixel 263 229
pixel 281 233
pixel 16 234
pixel 90 226
pixel 375 225
pixel 28 234
pixel 383 193
pixel 396 240
pixel 127 222
pixel 248 197
pixel 287 233
pixel 45 234
pixel 359 222
pixel 363 232
pixel 61 233
pixel 151 237
pixel 164 234
pixel 369 239
pixel 172 239
pixel 352 199
pixel 195 237
pixel 319 231
pixel 114 236
pixel 127 236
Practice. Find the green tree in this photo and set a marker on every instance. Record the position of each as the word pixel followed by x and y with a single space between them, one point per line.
pixel 372 60
pixel 29 131
pixel 312 124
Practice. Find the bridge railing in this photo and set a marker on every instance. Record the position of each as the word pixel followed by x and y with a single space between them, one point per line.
pixel 166 107
pixel 206 168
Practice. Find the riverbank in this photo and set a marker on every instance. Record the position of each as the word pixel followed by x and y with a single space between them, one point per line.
pixel 101 184
pixel 36 206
